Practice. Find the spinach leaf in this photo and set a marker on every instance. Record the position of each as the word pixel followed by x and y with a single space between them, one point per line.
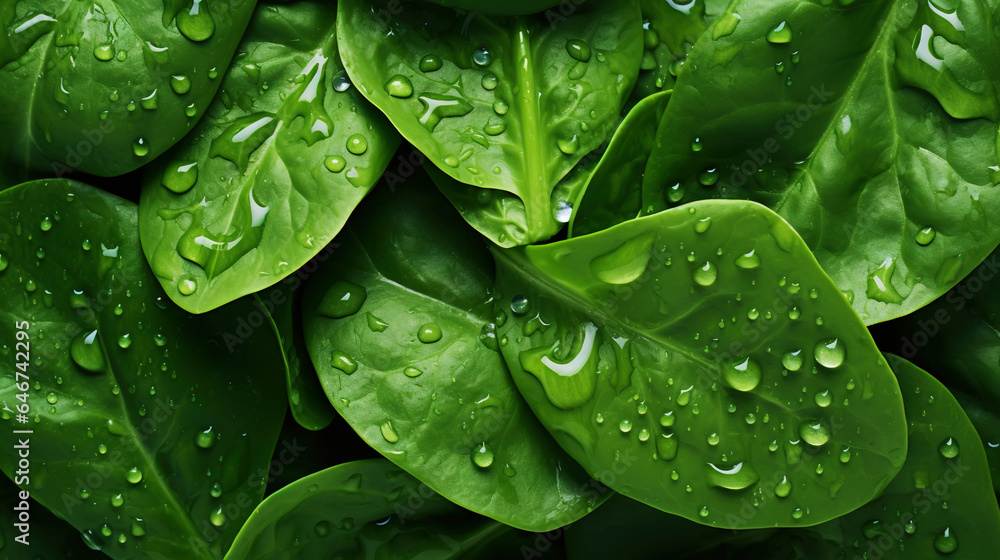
pixel 509 7
pixel 870 126
pixel 987 423
pixel 625 528
pixel 705 349
pixel 400 327
pixel 272 173
pixel 940 503
pixel 506 106
pixel 46 535
pixel 367 509
pixel 609 196
pixel 282 306
pixel 105 88
pixel 152 429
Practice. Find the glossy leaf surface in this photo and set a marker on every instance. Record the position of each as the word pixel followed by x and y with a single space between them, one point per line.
pixel 273 171
pixel 705 346
pixel 870 126
pixel 510 7
pixel 941 504
pixel 106 87
pixel 367 509
pixel 150 426
pixel 506 106
pixel 400 326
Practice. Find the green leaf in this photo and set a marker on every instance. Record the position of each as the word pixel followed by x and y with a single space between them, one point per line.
pixel 625 528
pixel 45 534
pixel 282 306
pixel 133 403
pixel 613 198
pixel 871 128
pixel 940 504
pixel 107 88
pixel 506 106
pixel 510 7
pixel 399 324
pixel 987 423
pixel 273 172
pixel 705 348
pixel 357 509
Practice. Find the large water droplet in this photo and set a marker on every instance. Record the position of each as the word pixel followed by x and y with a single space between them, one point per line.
pixel 437 107
pixel 342 299
pixel 399 86
pixel 926 236
pixel 205 439
pixel 626 263
pixel 781 34
pixel 429 333
pixel 830 353
pixel 783 488
pixel 706 274
pixel 948 448
pixel 743 375
pixel 85 349
pixel 134 475
pixel 196 22
pixel 792 361
pixel 666 447
pixel 180 177
pixel 217 517
pixel 946 542
pixel 482 56
pixel 388 432
pixel 431 63
pixel 814 432
pixel 578 49
pixel 738 477
pixel 357 144
pixel 482 455
pixel 748 260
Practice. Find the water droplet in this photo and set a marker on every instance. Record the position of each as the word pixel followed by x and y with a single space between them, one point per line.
pixel 578 49
pixel 429 333
pixel 411 371
pixel 217 517
pixel 925 236
pixel 823 399
pixel 133 475
pixel 117 500
pixel 706 274
pixel 357 144
pixel 880 286
pixel 482 56
pixel 845 455
pixel 124 341
pixel 814 432
pixel 86 352
pixel 948 448
pixel 748 260
pixel 569 146
pixel 482 455
pixel 519 305
pixel 180 177
pixel 830 353
pixel 180 83
pixel 946 542
pixel 666 447
pixel 792 361
pixel 743 375
pixel 205 439
pixel 399 86
pixel 702 225
pixel 738 477
pixel 196 23
pixel 388 433
pixel 709 177
pixel 783 488
pixel 104 53
pixel 713 438
pixel 140 148
pixel 342 299
pixel 431 63
pixel 780 35
pixel 490 81
pixel 437 107
pixel 625 426
pixel 341 82
pixel 500 108
pixel 335 164
pixel 187 285
pixel 344 363
pixel 703 512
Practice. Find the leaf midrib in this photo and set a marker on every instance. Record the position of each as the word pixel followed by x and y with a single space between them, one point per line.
pixel 530 119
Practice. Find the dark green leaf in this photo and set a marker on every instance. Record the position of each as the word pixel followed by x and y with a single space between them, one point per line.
pixel 399 327
pixel 705 349
pixel 152 428
pixel 42 536
pixel 870 126
pixel 368 509
pixel 940 505
pixel 105 88
pixel 506 106
pixel 273 171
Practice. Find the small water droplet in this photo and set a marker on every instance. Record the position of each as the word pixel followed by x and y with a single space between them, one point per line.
pixel 388 432
pixel 205 439
pixel 706 274
pixel 926 236
pixel 814 432
pixel 399 86
pixel 946 542
pixel 780 35
pixel 133 475
pixel 948 448
pixel 217 517
pixel 429 333
pixel 482 56
pixel 431 63
pixel 482 455
pixel 830 353
pixel 357 144
pixel 578 49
